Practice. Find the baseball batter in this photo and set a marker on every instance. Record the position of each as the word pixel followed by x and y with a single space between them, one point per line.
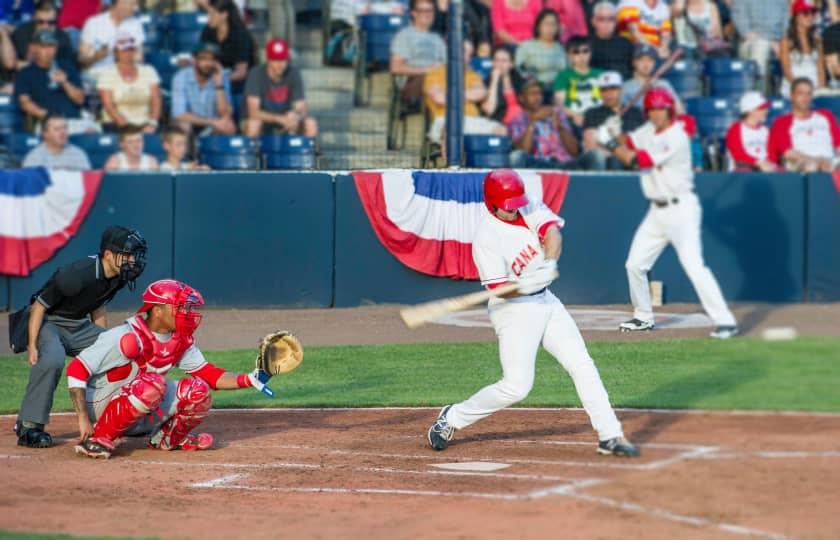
pixel 662 151
pixel 118 382
pixel 519 241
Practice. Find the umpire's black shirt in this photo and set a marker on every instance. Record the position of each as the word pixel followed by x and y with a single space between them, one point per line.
pixel 77 289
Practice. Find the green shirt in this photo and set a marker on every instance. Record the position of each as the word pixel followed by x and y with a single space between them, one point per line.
pixel 581 89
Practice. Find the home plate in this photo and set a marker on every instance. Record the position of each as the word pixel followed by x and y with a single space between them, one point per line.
pixel 479 466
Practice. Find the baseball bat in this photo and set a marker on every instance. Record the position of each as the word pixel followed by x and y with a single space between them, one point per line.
pixel 421 314
pixel 666 65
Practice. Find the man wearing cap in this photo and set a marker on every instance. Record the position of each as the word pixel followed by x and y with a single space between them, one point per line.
pixel 644 60
pixel 65 316
pixel 99 36
pixel 201 94
pixel 48 85
pixel 610 85
pixel 274 98
pixel 746 139
pixel 45 18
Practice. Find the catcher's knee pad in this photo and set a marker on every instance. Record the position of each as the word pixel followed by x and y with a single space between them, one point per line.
pixel 192 406
pixel 193 396
pixel 138 398
pixel 146 391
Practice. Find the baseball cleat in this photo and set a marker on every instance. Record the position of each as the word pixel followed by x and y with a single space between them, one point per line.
pixel 96 449
pixel 193 442
pixel 635 325
pixel 441 432
pixel 617 446
pixel 724 332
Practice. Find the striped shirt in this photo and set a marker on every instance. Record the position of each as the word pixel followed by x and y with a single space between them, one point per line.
pixel 652 22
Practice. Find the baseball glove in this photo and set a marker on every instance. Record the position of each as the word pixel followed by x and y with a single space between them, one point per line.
pixel 280 352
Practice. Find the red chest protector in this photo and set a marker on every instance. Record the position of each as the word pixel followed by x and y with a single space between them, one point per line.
pixel 154 355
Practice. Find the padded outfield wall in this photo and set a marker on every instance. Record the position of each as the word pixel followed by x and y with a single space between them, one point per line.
pixel 303 240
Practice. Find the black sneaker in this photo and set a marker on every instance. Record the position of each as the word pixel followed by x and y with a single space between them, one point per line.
pixel 617 446
pixel 34 437
pixel 635 325
pixel 441 432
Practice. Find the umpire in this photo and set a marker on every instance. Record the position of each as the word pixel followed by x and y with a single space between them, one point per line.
pixel 66 315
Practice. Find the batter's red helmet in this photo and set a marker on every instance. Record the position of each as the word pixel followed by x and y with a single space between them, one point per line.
pixel 504 189
pixel 659 98
pixel 182 296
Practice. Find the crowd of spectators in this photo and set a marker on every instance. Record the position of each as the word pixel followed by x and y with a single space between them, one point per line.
pixel 586 59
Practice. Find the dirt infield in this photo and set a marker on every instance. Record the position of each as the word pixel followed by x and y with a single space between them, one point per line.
pixel 369 474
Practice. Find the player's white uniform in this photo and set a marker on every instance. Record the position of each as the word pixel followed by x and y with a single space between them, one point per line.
pixel 667 177
pixel 502 252
pixel 108 370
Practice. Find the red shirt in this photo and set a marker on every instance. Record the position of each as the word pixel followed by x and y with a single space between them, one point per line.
pixel 74 13
pixel 746 145
pixel 817 135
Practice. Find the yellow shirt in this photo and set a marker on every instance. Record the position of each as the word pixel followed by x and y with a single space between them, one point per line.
pixel 437 77
pixel 132 99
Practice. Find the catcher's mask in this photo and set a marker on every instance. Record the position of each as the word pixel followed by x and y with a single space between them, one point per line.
pixel 186 300
pixel 132 246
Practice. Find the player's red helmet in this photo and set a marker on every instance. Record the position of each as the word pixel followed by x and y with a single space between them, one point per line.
pixel 503 188
pixel 659 98
pixel 186 299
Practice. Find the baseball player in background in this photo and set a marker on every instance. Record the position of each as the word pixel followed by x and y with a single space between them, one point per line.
pixel 661 150
pixel 117 384
pixel 519 241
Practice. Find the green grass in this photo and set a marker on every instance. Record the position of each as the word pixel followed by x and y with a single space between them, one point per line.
pixel 741 373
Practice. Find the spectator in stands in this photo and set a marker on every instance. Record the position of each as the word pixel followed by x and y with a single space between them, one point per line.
pixel 201 94
pixel 646 21
pixel 55 152
pixel 131 156
pixel 73 16
pixel 571 17
pixel 49 84
pixel 576 87
pixel 746 140
pixel 434 90
pixel 761 25
pixel 513 20
pixel 415 50
pixel 610 85
pixel 644 60
pixel 44 19
pixel 610 52
pixel 130 92
pixel 698 25
pixel 541 135
pixel 99 36
pixel 175 144
pixel 226 29
pixel 805 139
pixel 502 104
pixel 274 96
pixel 8 62
pixel 476 15
pixel 800 51
pixel 831 51
pixel 542 57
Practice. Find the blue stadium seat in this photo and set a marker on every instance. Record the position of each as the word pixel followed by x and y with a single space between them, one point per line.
pixel 153 29
pixel 228 152
pixel 231 162
pixel 377 31
pixel 287 152
pixel 730 77
pixel 185 29
pixel 164 64
pixel 832 103
pixel 11 120
pixel 686 78
pixel 778 106
pixel 19 144
pixel 97 146
pixel 487 151
pixel 482 66
pixel 153 144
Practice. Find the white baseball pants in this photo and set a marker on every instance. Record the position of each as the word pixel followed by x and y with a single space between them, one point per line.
pixel 678 224
pixel 520 326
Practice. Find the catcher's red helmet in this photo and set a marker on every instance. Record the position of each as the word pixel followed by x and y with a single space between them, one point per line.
pixel 659 98
pixel 503 188
pixel 178 294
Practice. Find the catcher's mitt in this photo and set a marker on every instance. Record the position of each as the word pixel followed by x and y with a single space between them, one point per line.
pixel 280 352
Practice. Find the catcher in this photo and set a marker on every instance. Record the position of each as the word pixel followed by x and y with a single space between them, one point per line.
pixel 117 384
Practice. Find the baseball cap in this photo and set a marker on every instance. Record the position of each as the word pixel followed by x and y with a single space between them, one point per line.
pixel 124 42
pixel 802 6
pixel 609 79
pixel 752 100
pixel 206 46
pixel 277 49
pixel 643 49
pixel 45 37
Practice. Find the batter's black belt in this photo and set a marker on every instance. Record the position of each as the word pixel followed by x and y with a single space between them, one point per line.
pixel 662 203
pixel 537 292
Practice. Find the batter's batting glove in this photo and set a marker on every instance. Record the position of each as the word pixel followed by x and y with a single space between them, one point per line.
pixel 258 379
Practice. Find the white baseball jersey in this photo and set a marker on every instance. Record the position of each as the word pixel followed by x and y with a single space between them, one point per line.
pixel 503 250
pixel 664 160
pixel 745 144
pixel 815 136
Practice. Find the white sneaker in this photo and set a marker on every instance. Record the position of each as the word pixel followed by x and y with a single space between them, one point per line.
pixel 724 332
pixel 635 325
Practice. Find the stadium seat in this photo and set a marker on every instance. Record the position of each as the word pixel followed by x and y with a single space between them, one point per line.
pixel 686 78
pixel 185 30
pixel 229 152
pixel 482 66
pixel 713 115
pixel 97 146
pixel 164 64
pixel 728 77
pixel 153 144
pixel 778 106
pixel 11 120
pixel 486 151
pixel 19 144
pixel 231 162
pixel 287 152
pixel 832 103
pixel 153 30
pixel 375 32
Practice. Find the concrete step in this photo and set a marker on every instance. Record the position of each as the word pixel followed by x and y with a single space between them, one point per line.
pixel 345 141
pixel 358 120
pixel 335 78
pixel 309 58
pixel 350 161
pixel 309 38
pixel 334 101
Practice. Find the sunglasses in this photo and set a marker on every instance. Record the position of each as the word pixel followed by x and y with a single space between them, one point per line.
pixel 45 21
